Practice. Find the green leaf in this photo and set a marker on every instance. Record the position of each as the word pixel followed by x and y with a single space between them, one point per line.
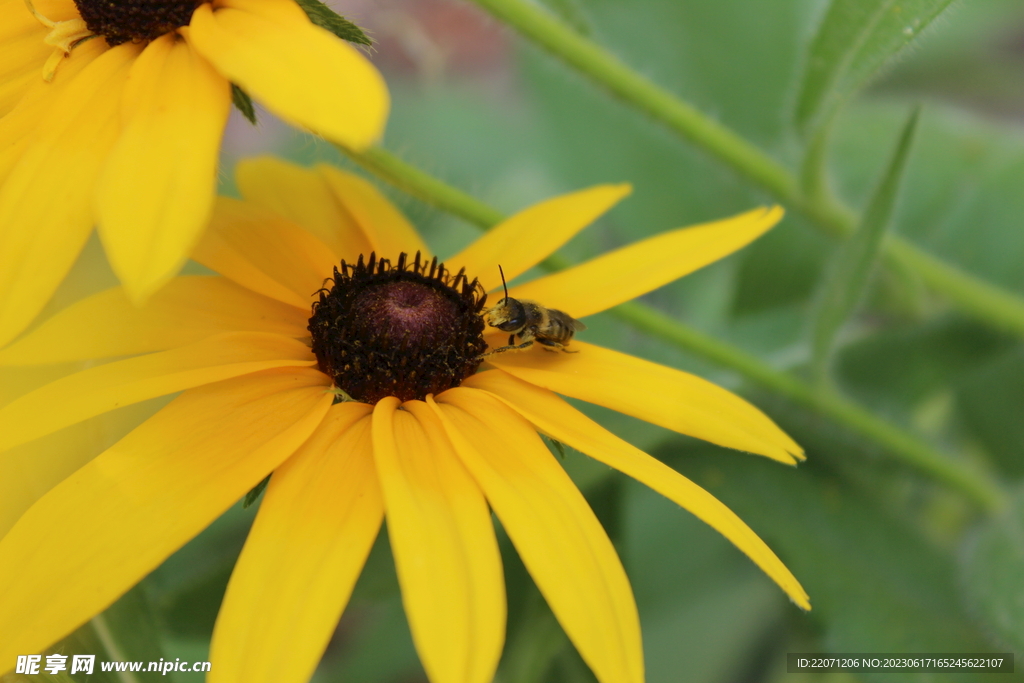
pixel 875 584
pixel 989 400
pixel 556 447
pixel 569 667
pixel 243 103
pixel 992 569
pixel 966 173
pixel 856 258
pixel 895 370
pixel 324 17
pixel 533 645
pixel 187 588
pixel 192 611
pixel 254 492
pixel 130 627
pixel 126 632
pixel 705 608
pixel 83 641
pixel 375 645
pixel 855 39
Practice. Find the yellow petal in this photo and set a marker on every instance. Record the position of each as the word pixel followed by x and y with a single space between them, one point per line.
pixel 302 196
pixel 46 201
pixel 18 125
pixel 22 125
pixel 265 253
pixel 671 398
pixel 157 188
pixel 299 71
pixel 387 230
pixel 559 420
pixel 527 238
pixel 23 52
pixel 627 273
pixel 18 21
pixel 316 525
pixel 29 471
pixel 56 10
pixel 443 540
pixel 14 85
pixel 187 310
pixel 100 389
pixel 138 502
pixel 555 532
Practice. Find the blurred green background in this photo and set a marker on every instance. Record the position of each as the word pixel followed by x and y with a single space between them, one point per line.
pixel 893 561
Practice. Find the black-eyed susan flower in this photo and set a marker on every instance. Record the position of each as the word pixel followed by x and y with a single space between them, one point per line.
pixel 112 112
pixel 365 396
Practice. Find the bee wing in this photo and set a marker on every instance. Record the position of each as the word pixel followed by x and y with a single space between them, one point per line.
pixel 567 320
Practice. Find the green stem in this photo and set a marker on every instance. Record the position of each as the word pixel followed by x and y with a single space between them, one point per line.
pixel 106 638
pixel 586 56
pixel 990 303
pixel 974 297
pixel 899 444
pixel 425 187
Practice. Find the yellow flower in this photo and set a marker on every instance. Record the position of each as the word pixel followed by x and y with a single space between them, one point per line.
pixel 111 113
pixel 429 442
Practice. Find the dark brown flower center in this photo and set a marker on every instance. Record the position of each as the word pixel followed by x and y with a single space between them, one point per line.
pixel 120 21
pixel 405 330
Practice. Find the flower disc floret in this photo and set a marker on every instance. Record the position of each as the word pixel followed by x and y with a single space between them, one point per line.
pixel 405 330
pixel 121 21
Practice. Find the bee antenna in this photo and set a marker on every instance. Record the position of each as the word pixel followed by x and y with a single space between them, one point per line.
pixel 503 285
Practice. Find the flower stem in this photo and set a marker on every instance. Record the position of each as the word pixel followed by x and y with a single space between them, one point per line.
pixel 983 301
pixel 113 652
pixel 901 445
pixel 426 187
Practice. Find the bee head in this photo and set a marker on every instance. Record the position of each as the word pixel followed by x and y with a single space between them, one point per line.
pixel 508 315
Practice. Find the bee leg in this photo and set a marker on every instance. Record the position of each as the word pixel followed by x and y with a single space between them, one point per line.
pixel 554 346
pixel 550 345
pixel 511 340
pixel 511 347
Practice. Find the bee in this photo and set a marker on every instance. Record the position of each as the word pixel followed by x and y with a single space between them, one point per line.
pixel 531 322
